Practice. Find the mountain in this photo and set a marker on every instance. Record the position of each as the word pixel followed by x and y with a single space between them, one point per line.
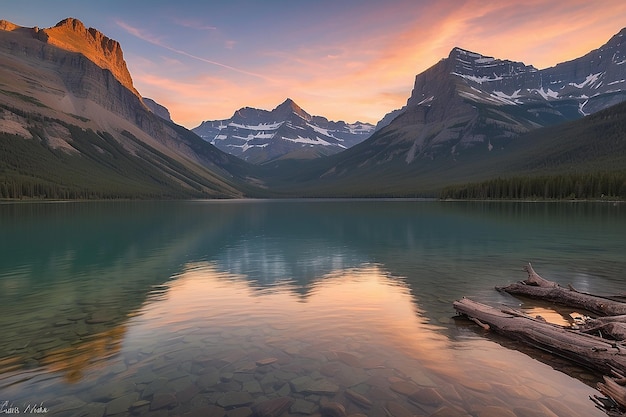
pixel 73 125
pixel 464 114
pixel 287 132
pixel 566 155
pixel 462 111
pixel 471 100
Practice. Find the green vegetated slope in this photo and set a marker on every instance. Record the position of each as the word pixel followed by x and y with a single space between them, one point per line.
pixel 581 159
pixel 594 146
pixel 98 166
pixel 72 126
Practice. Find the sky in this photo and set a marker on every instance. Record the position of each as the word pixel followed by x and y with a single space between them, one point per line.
pixel 350 60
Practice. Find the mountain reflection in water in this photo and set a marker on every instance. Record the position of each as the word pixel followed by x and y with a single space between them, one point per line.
pixel 187 305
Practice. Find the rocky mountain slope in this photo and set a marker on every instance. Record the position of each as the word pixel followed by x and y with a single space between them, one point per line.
pixel 469 103
pixel 72 125
pixel 464 113
pixel 66 93
pixel 156 108
pixel 286 132
pixel 469 100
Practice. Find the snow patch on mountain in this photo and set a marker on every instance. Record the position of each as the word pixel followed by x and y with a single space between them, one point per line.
pixel 547 94
pixel 590 80
pixel 477 79
pixel 261 126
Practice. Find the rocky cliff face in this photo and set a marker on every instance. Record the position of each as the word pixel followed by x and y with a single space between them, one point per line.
pixel 469 100
pixel 90 64
pixel 72 35
pixel 78 75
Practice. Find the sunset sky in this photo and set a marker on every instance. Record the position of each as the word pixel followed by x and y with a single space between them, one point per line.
pixel 343 59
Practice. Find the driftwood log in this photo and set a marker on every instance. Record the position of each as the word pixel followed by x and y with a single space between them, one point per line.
pixel 584 349
pixel 537 287
pixel 581 344
pixel 613 326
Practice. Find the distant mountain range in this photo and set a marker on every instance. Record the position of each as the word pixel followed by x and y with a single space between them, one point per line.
pixel 287 132
pixel 72 125
pixel 468 108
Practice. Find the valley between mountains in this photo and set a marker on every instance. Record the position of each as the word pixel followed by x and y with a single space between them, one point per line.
pixel 73 126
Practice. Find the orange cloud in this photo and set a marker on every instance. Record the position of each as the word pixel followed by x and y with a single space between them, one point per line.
pixel 364 68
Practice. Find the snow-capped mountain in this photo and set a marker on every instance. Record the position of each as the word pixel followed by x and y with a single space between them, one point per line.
pixel 287 132
pixel 469 100
pixel 593 82
pixel 469 110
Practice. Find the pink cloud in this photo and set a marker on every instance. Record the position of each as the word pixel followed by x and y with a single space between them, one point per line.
pixel 143 35
pixel 366 68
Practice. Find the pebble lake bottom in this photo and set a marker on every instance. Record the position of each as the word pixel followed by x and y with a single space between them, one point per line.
pixel 290 308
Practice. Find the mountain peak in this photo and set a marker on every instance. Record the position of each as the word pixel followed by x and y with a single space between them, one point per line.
pixel 71 23
pixel 288 107
pixel 8 26
pixel 456 51
pixel 72 35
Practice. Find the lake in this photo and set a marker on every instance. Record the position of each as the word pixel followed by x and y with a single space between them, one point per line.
pixel 218 308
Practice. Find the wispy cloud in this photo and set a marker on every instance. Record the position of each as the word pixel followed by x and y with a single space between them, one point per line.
pixel 155 40
pixel 362 65
pixel 194 24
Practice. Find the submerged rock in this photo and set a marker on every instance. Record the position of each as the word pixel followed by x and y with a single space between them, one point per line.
pixel 333 409
pixel 426 396
pixel 301 406
pixel 235 399
pixel 322 387
pixel 121 404
pixel 358 399
pixel 301 383
pixel 163 400
pixel 273 408
pixel 404 387
pixel 398 410
pixel 349 359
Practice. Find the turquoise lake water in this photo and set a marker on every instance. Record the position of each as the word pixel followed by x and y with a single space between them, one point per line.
pixel 220 307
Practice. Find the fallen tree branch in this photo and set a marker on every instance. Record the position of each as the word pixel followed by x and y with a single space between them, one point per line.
pixel 580 346
pixel 613 390
pixel 587 350
pixel 537 287
pixel 615 330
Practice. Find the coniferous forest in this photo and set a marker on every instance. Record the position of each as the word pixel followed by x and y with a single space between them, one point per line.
pixel 588 186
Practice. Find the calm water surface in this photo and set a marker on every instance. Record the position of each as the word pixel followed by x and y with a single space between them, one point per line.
pixel 212 308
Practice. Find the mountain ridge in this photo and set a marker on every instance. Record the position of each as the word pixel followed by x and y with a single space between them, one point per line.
pixel 465 112
pixel 62 102
pixel 61 111
pixel 472 100
pixel 72 35
pixel 285 132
